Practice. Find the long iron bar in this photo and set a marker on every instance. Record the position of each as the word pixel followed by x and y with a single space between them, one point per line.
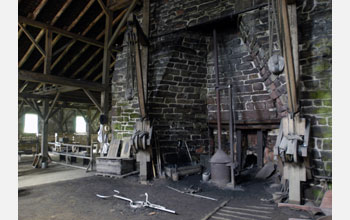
pixel 218 104
pixel 191 194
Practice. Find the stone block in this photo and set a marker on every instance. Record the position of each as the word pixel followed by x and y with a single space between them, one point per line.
pixel 321 131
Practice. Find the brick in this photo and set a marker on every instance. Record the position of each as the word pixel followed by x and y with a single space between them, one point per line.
pixel 258 86
pixel 260 97
pixel 321 131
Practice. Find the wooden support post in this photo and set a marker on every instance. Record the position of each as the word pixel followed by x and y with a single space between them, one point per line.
pixel 47 71
pixel 106 63
pixel 260 148
pixel 288 54
pixel 144 52
pixel 292 13
pixel 139 77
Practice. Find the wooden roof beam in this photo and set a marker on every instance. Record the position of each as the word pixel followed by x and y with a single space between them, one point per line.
pixel 41 33
pixel 58 37
pixel 104 8
pixel 51 79
pixel 32 39
pixel 122 23
pixel 120 4
pixel 97 38
pixel 34 14
pixel 60 31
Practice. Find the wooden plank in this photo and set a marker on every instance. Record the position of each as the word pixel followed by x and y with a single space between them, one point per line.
pixel 92 98
pixel 60 31
pixel 288 54
pixel 122 23
pixel 32 39
pixel 113 148
pixel 37 77
pixel 125 151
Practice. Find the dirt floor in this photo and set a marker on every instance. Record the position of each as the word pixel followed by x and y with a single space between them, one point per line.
pixel 76 199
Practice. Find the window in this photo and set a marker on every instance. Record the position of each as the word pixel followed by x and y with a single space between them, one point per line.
pixel 31 123
pixel 80 124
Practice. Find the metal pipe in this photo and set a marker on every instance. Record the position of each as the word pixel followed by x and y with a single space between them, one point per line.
pixel 231 122
pixel 231 136
pixel 218 111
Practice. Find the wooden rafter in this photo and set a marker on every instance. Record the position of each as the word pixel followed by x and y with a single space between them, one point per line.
pixel 34 14
pixel 97 38
pixel 86 62
pixel 58 51
pixel 42 32
pixel 121 24
pixel 32 39
pixel 119 5
pixel 104 8
pixel 100 74
pixel 60 31
pixel 58 37
pixel 23 87
pixel 93 70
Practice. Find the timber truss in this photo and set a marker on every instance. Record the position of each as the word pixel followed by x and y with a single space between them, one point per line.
pixel 67 52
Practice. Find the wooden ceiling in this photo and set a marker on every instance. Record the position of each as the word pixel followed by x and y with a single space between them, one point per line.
pixel 78 29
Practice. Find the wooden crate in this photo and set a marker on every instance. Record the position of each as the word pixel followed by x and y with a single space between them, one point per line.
pixel 114 166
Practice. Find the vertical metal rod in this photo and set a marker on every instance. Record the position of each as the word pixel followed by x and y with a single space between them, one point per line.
pixel 218 112
pixel 231 136
pixel 231 122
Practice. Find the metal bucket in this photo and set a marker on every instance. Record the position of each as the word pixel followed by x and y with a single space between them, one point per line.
pixel 220 172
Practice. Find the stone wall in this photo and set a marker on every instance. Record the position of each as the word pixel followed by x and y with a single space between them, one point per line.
pixel 315 54
pixel 182 82
pixel 178 88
